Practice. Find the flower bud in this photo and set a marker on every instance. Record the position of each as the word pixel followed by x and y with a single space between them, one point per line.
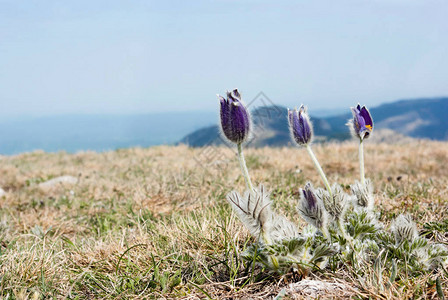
pixel 361 125
pixel 404 229
pixel 235 120
pixel 363 194
pixel 336 204
pixel 300 126
pixel 312 209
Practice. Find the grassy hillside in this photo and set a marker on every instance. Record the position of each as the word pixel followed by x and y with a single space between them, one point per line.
pixel 155 222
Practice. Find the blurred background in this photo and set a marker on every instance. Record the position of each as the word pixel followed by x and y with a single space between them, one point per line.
pixel 100 75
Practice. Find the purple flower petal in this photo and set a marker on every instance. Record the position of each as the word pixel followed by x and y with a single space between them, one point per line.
pixel 305 124
pixel 367 117
pixel 225 115
pixel 310 197
pixel 239 125
pixel 290 113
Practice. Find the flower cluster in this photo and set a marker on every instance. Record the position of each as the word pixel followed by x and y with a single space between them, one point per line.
pixel 340 224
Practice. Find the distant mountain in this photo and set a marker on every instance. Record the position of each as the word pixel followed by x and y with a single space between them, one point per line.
pixel 422 118
pixel 73 133
pixel 419 118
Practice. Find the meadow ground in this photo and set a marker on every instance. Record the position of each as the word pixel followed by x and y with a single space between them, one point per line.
pixel 153 223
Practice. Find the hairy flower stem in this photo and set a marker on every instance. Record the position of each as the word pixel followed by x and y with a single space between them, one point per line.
pixel 244 168
pixel 264 236
pixel 344 233
pixel 325 233
pixel 267 241
pixel 361 162
pixel 319 169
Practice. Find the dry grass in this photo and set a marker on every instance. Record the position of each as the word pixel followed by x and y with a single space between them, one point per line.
pixel 154 223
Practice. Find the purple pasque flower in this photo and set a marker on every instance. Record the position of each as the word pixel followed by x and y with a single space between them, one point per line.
pixel 300 126
pixel 235 119
pixel 309 196
pixel 312 209
pixel 362 123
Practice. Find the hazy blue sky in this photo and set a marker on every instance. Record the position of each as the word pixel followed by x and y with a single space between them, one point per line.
pixel 151 56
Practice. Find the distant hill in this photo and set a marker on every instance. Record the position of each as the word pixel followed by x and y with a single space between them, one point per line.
pixel 422 118
pixel 419 118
